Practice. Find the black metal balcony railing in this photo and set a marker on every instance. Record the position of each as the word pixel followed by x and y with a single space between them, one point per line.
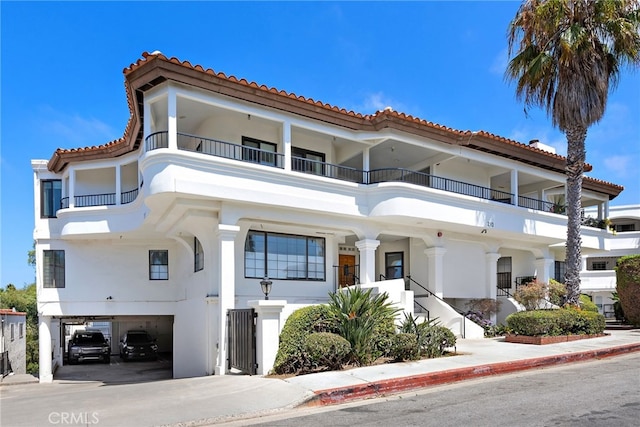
pixel 107 199
pixel 229 150
pixel 329 170
pixel 244 153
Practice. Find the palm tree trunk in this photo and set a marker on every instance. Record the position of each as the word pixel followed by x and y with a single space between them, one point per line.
pixel 576 136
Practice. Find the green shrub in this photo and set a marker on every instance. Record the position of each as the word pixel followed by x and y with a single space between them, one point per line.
pixel 291 357
pixel 530 295
pixel 405 347
pixel 356 313
pixel 325 349
pixel 439 338
pixel 555 322
pixel 557 292
pixel 382 339
pixel 587 304
pixel 628 287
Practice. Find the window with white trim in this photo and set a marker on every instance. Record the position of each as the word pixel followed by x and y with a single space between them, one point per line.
pixel 158 264
pixel 50 197
pixel 284 256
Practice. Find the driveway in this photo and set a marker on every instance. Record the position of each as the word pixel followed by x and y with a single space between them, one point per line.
pixel 117 372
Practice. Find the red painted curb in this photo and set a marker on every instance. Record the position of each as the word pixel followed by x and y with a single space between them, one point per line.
pixel 396 385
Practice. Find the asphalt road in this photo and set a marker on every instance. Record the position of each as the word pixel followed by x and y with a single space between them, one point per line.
pixel 598 393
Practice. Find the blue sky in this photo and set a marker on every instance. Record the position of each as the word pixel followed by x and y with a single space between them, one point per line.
pixel 62 81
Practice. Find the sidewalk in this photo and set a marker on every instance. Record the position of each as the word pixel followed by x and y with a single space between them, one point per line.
pixel 218 399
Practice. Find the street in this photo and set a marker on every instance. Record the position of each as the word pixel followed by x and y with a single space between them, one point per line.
pixel 598 393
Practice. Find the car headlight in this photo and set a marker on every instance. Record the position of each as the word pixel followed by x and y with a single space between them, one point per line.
pixel 129 347
pixel 154 347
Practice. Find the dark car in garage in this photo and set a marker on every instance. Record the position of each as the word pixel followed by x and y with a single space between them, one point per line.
pixel 138 345
pixel 88 345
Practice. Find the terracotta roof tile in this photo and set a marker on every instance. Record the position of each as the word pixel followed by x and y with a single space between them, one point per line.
pixel 146 57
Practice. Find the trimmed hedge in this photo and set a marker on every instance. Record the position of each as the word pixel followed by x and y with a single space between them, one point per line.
pixel 292 357
pixel 556 322
pixel 325 349
pixel 628 287
pixel 405 347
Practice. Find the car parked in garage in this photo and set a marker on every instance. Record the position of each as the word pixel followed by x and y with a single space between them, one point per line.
pixel 88 345
pixel 138 345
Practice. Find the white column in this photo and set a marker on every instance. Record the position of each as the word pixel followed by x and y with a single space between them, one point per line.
pixel 492 279
pixel 72 188
pixel 544 269
pixel 267 332
pixel 172 124
pixel 146 131
pixel 118 184
pixel 367 248
pixel 584 263
pixel 286 144
pixel 225 237
pixel 435 262
pixel 44 347
pixel 606 209
pixel 366 164
pixel 514 186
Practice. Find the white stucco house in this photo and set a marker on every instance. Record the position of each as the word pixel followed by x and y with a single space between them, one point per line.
pixel 598 275
pixel 218 182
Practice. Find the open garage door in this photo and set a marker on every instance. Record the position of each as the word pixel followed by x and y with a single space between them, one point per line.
pixel 113 328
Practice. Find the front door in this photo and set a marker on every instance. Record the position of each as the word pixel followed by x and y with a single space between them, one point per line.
pixel 347 270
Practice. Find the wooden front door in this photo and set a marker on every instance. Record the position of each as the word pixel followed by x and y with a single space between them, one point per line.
pixel 346 272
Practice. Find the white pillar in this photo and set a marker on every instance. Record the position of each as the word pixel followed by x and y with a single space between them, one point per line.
pixel 172 124
pixel 286 144
pixel 366 164
pixel 146 130
pixel 514 186
pixel 492 279
pixel 544 269
pixel 44 347
pixel 225 237
pixel 367 248
pixel 72 188
pixel 267 332
pixel 118 184
pixel 435 262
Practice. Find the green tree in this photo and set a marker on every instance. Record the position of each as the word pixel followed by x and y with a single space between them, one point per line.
pixel 567 55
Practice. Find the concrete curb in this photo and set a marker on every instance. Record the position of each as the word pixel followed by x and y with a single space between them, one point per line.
pixel 397 385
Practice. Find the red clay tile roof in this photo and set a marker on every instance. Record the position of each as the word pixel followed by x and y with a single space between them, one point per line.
pixel 481 140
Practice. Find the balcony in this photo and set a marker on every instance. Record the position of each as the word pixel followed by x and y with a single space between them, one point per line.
pixel 243 153
pixel 107 199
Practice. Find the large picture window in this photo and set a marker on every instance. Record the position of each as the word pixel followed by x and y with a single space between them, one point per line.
pixel 50 197
pixel 53 269
pixel 158 265
pixel 284 256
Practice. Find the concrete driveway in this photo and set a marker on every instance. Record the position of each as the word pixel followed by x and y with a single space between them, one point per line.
pixel 117 372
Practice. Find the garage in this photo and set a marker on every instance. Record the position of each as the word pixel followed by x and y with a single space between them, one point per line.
pixel 158 328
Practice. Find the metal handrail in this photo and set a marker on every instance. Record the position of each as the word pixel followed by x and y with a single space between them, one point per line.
pixel 315 167
pixel 460 312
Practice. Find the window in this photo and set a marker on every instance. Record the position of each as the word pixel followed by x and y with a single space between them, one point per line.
pixel 158 265
pixel 50 197
pixel 504 272
pixel 599 265
pixel 283 256
pixel 560 268
pixel 20 330
pixel 393 265
pixel 53 270
pixel 621 228
pixel 307 161
pixel 12 332
pixel 259 151
pixel 198 255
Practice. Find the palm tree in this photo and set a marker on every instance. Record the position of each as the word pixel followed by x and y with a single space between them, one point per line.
pixel 567 54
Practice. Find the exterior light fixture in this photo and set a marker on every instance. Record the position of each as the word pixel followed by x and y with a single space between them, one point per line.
pixel 265 284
